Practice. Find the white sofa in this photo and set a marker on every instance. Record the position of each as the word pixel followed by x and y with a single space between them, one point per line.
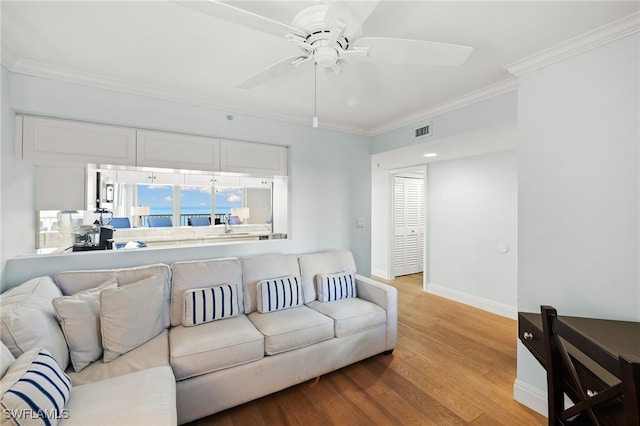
pixel 272 326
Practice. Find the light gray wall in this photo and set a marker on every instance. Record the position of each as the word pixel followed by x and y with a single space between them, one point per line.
pixel 491 112
pixel 471 208
pixel 330 175
pixel 579 188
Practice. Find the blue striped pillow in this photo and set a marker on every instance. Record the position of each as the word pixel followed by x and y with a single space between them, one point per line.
pixel 336 286
pixel 279 293
pixel 209 304
pixel 37 390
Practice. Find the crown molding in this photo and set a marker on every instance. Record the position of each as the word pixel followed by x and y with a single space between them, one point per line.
pixel 598 37
pixel 470 98
pixel 38 69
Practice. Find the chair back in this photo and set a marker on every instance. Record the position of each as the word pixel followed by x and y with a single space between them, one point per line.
pixel 120 222
pixel 569 357
pixel 159 221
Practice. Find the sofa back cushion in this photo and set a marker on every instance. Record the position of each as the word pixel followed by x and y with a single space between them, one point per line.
pixel 259 268
pixel 72 282
pixel 329 262
pixel 28 321
pixel 196 274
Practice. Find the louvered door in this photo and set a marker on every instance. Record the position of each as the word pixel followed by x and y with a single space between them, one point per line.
pixel 408 225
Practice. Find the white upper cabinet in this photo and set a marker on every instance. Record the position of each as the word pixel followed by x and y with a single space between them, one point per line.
pixel 49 141
pixel 256 182
pixel 198 179
pixel 149 177
pixel 177 151
pixel 253 158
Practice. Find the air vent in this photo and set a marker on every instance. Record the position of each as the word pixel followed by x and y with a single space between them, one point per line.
pixel 423 131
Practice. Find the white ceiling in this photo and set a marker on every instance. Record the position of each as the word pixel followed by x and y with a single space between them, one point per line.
pixel 169 51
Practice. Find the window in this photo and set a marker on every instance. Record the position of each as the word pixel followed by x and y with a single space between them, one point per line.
pixel 195 202
pixel 159 199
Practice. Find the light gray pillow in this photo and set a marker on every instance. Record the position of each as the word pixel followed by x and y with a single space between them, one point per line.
pixel 27 319
pixel 79 317
pixel 131 315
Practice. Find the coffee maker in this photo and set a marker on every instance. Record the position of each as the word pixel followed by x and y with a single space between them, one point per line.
pixel 93 237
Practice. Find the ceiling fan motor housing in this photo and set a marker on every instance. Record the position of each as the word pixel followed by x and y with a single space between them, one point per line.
pixel 325 56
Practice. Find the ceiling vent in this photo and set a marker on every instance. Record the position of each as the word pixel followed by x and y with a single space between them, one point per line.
pixel 423 131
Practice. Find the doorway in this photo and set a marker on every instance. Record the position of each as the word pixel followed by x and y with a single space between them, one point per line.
pixel 408 224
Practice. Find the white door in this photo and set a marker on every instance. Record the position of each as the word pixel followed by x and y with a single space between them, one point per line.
pixel 408 225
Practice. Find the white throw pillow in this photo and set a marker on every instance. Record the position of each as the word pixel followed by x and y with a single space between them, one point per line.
pixel 131 315
pixel 35 390
pixel 79 317
pixel 336 286
pixel 279 293
pixel 208 304
pixel 27 319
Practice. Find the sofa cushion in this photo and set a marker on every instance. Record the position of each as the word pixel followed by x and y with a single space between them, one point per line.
pixel 279 293
pixel 79 317
pixel 71 282
pixel 203 305
pixel 351 315
pixel 336 286
pixel 154 353
pixel 28 320
pixel 6 359
pixel 146 397
pixel 130 315
pixel 329 262
pixel 258 268
pixel 200 274
pixel 214 346
pixel 292 328
pixel 36 385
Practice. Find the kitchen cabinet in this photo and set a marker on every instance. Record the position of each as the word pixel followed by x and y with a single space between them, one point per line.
pixel 256 182
pixel 149 177
pixel 60 188
pixel 199 180
pixel 50 141
pixel 177 151
pixel 253 158
pixel 227 181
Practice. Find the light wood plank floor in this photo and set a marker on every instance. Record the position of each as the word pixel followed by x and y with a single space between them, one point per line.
pixel 453 365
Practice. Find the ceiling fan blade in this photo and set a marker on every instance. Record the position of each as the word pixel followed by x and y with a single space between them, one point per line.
pixel 240 16
pixel 270 73
pixel 413 52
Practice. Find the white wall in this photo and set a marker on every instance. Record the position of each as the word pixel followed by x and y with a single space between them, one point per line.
pixel 471 210
pixel 579 190
pixel 330 175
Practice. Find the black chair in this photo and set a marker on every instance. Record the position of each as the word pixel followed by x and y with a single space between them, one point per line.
pixel 567 356
pixel 199 221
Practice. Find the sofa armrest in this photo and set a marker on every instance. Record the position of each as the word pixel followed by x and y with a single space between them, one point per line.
pixel 384 296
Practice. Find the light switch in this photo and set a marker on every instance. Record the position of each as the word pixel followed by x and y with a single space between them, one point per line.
pixel 360 222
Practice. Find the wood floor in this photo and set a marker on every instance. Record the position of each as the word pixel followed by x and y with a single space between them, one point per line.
pixel 453 365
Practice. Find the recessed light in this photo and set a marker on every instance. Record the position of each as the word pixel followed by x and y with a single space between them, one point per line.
pixel 430 154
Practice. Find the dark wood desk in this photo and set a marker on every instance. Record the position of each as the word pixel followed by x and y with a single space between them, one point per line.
pixel 607 338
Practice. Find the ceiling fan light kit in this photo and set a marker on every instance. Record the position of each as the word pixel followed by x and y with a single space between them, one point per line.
pixel 328 33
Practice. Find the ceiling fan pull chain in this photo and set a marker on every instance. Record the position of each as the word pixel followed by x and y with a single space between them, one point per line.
pixel 315 95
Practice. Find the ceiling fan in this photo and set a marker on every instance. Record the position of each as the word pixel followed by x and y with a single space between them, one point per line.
pixel 329 33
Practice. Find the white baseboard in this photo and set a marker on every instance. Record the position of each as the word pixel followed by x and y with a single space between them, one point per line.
pixel 530 396
pixel 475 301
pixel 382 273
